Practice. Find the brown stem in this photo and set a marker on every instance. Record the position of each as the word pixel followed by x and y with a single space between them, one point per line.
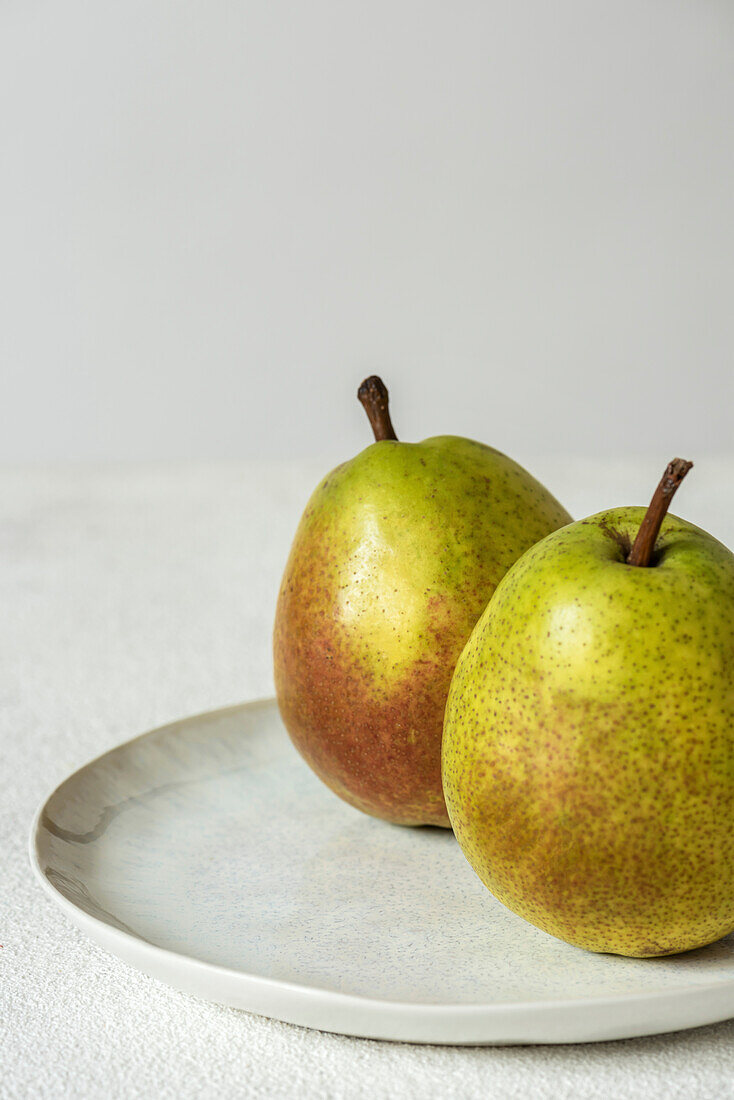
pixel 373 395
pixel 644 544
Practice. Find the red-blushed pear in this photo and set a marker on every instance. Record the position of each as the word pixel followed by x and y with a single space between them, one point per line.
pixel 588 751
pixel 394 560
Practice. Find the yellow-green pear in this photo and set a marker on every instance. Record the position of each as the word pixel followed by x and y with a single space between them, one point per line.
pixel 394 560
pixel 588 750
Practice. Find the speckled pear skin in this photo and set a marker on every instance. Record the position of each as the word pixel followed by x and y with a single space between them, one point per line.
pixel 394 560
pixel 588 751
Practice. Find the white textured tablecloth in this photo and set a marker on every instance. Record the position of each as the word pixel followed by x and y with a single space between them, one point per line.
pixel 134 595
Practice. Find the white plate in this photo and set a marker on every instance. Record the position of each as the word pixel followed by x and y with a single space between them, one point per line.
pixel 206 854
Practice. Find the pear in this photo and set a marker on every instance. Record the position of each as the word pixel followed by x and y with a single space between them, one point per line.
pixel 394 560
pixel 588 751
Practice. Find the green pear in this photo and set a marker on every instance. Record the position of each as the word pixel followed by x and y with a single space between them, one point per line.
pixel 394 560
pixel 588 751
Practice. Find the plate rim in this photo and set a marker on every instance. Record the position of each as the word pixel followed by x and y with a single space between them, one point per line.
pixel 162 958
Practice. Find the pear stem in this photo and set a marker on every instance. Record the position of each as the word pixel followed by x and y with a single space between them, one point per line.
pixel 373 395
pixel 644 544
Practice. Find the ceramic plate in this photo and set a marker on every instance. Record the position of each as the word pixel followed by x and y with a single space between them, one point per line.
pixel 206 854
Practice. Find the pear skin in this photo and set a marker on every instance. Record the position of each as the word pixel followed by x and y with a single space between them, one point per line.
pixel 588 752
pixel 394 560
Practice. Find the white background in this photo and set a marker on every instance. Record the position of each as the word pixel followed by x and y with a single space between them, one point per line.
pixel 216 217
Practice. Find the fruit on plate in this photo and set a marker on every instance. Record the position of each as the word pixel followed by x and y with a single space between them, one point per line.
pixel 394 560
pixel 588 752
